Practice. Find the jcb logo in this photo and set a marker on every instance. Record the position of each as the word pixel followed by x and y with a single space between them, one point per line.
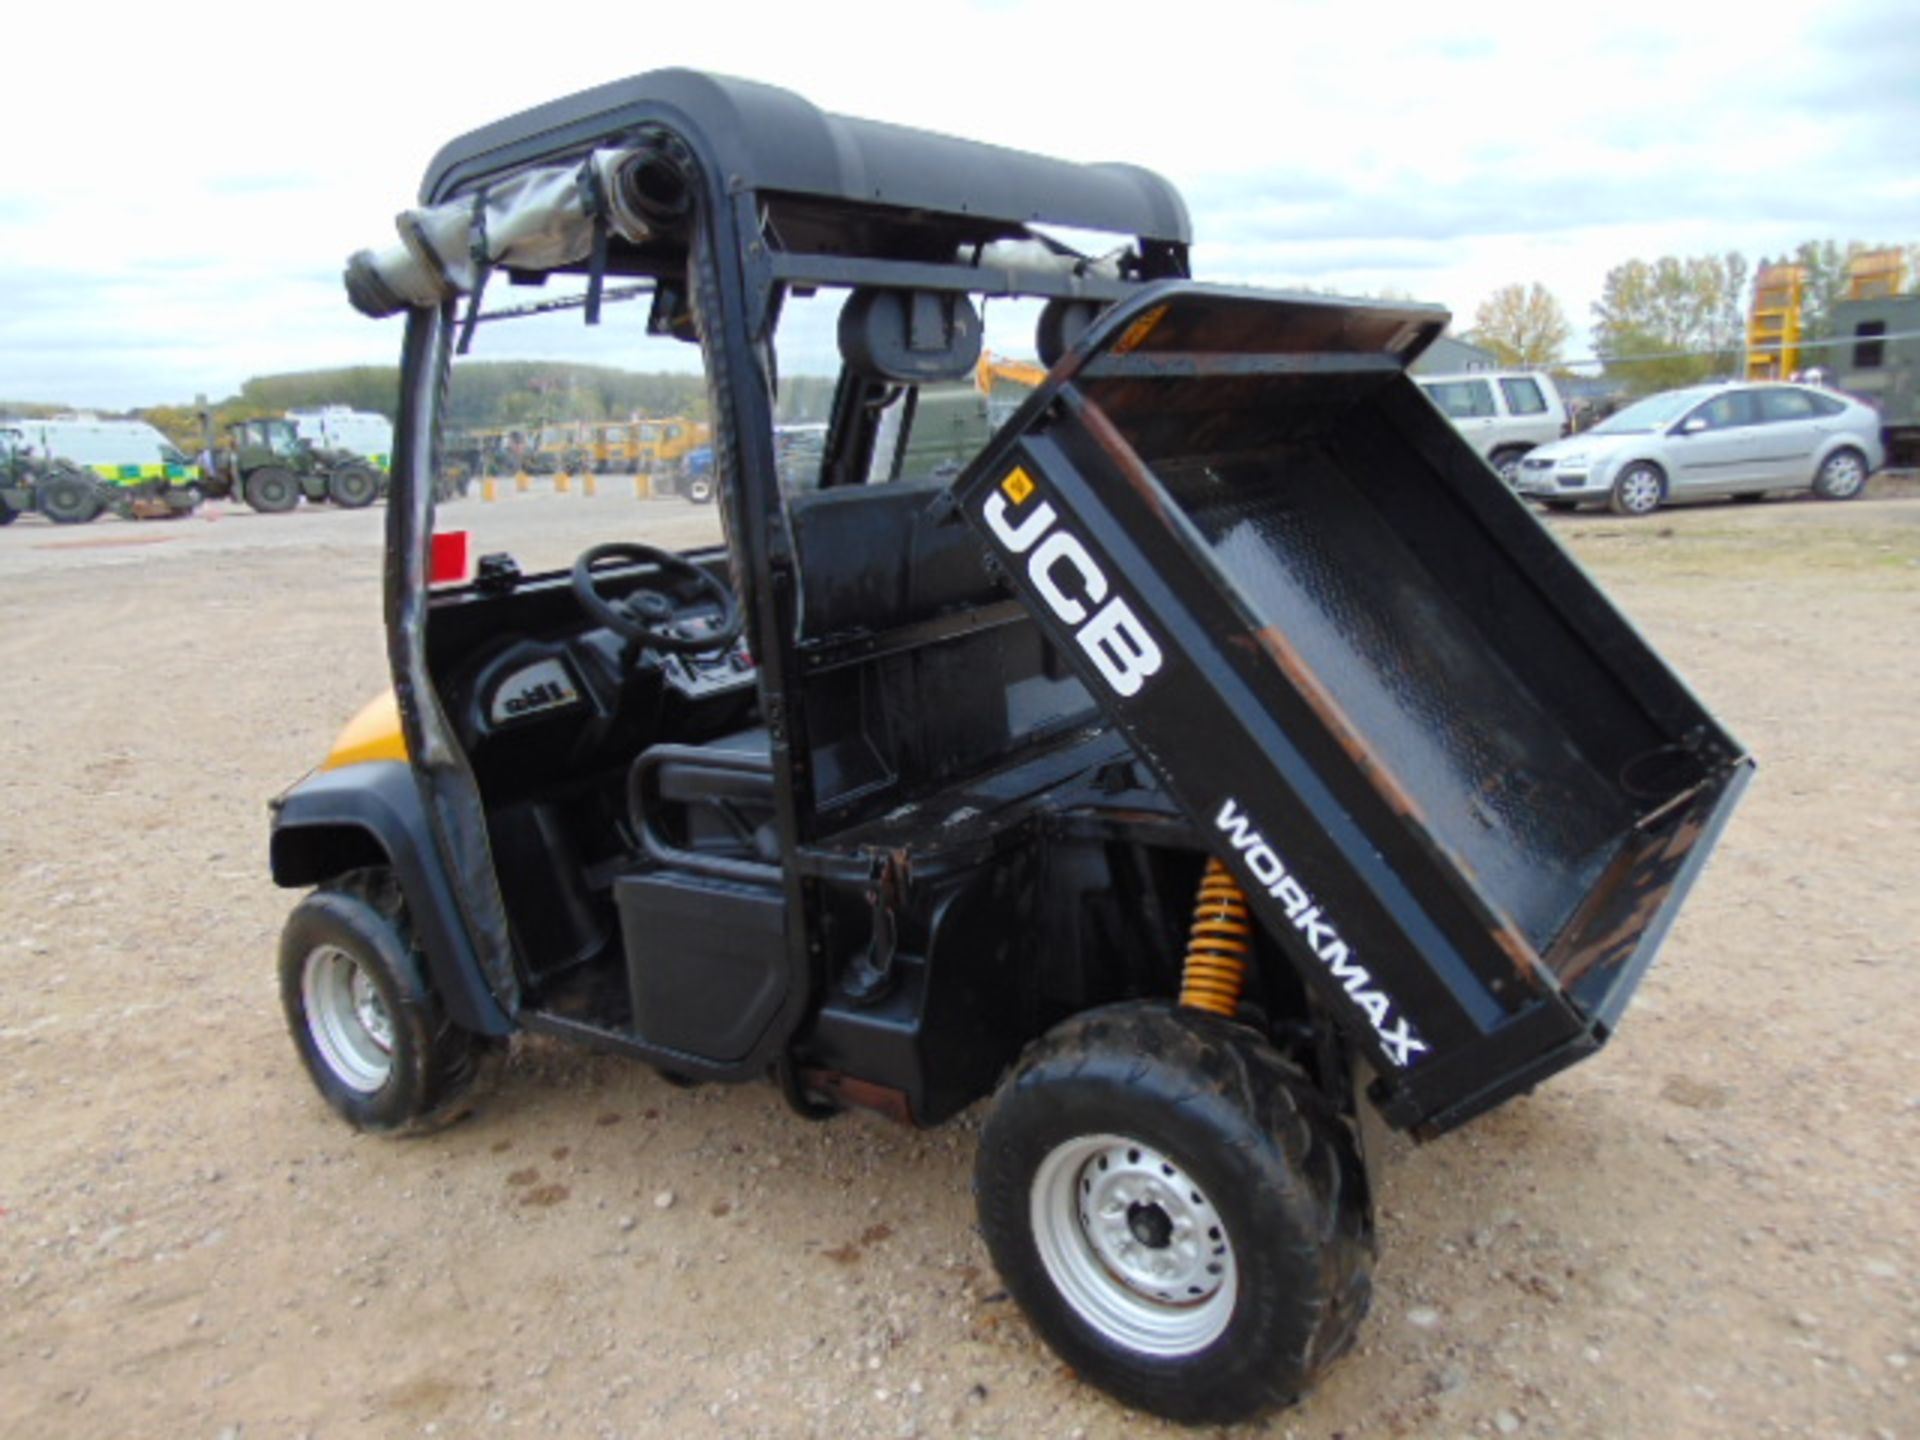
pixel 1072 583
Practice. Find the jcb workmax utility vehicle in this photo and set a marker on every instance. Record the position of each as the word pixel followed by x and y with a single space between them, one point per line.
pixel 1223 750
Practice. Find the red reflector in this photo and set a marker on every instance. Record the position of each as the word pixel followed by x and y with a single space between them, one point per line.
pixel 452 557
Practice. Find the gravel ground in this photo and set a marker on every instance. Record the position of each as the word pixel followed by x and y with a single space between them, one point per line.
pixel 1709 1230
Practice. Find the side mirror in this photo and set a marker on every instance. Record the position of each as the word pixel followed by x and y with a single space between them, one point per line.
pixel 1693 424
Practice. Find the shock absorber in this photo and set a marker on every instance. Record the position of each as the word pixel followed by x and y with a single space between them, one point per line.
pixel 1218 944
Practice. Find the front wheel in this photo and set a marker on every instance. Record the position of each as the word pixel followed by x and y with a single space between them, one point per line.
pixel 1180 1214
pixel 272 490
pixel 1842 476
pixel 700 490
pixel 370 1031
pixel 1638 491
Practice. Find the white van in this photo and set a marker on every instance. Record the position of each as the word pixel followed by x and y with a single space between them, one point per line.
pixel 1502 413
pixel 115 449
pixel 339 427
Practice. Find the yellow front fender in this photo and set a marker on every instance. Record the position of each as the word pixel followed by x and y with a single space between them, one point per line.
pixel 373 734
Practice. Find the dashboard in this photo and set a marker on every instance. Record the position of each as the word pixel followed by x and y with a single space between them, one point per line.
pixel 576 701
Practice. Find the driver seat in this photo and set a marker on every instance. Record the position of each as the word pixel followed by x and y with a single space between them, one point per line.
pixel 708 808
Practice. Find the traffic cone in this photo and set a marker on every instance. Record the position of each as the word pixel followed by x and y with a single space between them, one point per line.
pixel 562 483
pixel 522 482
pixel 489 491
pixel 589 485
pixel 642 485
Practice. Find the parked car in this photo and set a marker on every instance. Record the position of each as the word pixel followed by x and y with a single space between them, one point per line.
pixel 1711 440
pixel 1503 414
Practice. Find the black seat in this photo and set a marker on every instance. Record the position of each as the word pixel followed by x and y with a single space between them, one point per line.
pixel 718 799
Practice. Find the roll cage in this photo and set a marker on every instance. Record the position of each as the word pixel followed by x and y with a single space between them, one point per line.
pixel 756 194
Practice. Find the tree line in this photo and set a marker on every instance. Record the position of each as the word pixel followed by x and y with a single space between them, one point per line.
pixel 501 394
pixel 1660 324
pixel 485 395
pixel 1657 325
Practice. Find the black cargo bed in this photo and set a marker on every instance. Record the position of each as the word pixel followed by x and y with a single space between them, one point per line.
pixel 1463 794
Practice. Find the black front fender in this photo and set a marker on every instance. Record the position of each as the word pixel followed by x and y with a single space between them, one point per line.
pixel 370 814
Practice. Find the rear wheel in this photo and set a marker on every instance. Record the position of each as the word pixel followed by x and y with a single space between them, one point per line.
pixel 68 500
pixel 1842 476
pixel 1639 490
pixel 370 1031
pixel 700 490
pixel 272 490
pixel 1178 1211
pixel 353 488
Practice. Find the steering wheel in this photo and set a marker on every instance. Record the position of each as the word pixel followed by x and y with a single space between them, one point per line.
pixel 647 615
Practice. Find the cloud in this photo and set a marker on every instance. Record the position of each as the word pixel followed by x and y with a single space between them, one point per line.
pixel 144 257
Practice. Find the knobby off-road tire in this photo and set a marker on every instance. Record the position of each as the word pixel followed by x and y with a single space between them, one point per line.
pixel 272 490
pixel 373 1036
pixel 353 488
pixel 1181 1215
pixel 68 500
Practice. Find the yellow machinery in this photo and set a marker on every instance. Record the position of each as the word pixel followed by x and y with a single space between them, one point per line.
pixel 657 444
pixel 994 368
pixel 1876 274
pixel 1773 325
pixel 1014 378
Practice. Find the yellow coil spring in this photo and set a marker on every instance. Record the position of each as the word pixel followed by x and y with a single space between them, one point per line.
pixel 1218 944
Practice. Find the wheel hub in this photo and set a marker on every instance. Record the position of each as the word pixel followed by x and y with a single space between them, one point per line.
pixel 371 1011
pixel 1134 1244
pixel 1150 1225
pixel 347 1018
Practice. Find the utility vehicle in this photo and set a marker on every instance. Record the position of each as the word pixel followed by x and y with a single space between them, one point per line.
pixel 1222 750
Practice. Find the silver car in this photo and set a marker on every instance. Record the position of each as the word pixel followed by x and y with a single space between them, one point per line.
pixel 1711 440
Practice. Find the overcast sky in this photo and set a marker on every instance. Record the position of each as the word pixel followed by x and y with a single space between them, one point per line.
pixel 183 182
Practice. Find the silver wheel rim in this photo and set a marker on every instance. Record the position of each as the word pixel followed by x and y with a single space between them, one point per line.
pixel 347 1018
pixel 1843 474
pixel 1134 1245
pixel 1640 492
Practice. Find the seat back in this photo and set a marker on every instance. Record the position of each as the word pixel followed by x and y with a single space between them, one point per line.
pixel 924 670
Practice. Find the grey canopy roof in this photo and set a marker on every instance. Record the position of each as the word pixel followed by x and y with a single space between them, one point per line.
pixel 767 139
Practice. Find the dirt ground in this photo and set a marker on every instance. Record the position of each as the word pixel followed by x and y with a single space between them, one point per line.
pixel 1708 1230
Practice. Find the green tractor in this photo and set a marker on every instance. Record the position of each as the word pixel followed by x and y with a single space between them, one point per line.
pixel 268 464
pixel 66 493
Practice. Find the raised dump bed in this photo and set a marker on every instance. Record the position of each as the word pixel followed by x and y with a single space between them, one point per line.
pixel 1462 793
